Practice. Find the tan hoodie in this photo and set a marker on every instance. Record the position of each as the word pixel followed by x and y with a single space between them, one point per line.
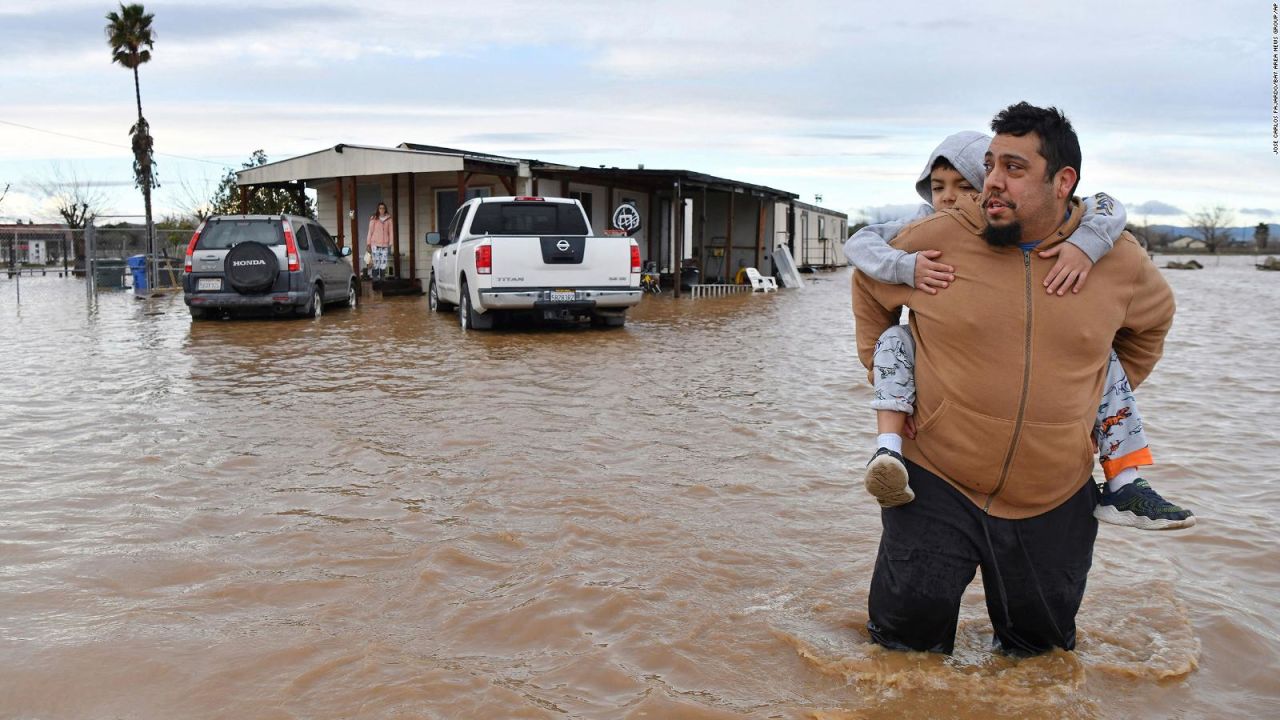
pixel 1009 378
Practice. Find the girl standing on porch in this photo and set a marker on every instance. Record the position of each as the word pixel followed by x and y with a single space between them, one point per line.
pixel 379 240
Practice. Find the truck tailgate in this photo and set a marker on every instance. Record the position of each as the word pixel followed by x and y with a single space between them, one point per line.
pixel 562 262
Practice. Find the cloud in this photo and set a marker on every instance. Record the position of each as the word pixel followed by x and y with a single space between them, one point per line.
pixel 1259 212
pixel 515 138
pixel 842 135
pixel 838 97
pixel 885 213
pixel 1154 207
pixel 71 184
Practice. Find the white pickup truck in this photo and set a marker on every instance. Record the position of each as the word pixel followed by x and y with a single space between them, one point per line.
pixel 533 255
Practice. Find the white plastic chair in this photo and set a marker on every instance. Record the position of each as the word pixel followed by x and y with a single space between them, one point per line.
pixel 760 283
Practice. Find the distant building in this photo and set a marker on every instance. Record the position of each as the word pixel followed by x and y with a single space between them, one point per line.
pixel 34 244
pixel 819 235
pixel 1187 242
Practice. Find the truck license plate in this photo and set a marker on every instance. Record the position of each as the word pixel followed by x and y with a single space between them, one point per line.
pixel 209 284
pixel 562 296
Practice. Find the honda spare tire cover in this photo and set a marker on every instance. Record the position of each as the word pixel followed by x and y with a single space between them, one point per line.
pixel 251 267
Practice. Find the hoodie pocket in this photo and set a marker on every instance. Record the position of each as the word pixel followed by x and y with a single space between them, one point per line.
pixel 1049 463
pixel 967 447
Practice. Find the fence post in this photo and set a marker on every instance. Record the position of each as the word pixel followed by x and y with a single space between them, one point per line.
pixel 153 263
pixel 88 261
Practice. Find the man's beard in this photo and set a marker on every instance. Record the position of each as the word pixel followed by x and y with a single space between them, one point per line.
pixel 1003 236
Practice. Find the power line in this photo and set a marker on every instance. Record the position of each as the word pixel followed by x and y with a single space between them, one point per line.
pixel 102 142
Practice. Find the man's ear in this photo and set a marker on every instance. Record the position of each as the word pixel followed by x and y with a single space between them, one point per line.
pixel 1064 181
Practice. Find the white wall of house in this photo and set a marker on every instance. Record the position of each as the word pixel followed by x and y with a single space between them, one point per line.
pixel 375 188
pixel 428 187
pixel 812 225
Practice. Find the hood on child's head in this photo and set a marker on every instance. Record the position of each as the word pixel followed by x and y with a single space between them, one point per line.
pixel 966 151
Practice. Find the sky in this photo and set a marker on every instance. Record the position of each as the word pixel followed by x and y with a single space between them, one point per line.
pixel 1173 101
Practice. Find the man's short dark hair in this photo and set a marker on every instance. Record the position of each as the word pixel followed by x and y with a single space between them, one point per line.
pixel 1058 142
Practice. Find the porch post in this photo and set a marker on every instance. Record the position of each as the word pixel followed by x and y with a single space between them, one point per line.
pixel 654 230
pixel 728 234
pixel 355 238
pixel 413 233
pixel 760 233
pixel 395 222
pixel 337 203
pixel 703 261
pixel 677 225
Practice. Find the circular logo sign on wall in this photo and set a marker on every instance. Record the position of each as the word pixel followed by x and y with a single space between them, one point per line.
pixel 626 217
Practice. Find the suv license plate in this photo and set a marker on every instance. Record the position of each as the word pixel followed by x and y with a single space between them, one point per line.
pixel 562 296
pixel 209 284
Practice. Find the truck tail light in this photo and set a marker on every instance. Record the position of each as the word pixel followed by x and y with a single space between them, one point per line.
pixel 635 258
pixel 191 248
pixel 290 247
pixel 484 259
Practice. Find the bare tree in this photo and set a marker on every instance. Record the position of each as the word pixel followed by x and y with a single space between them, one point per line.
pixel 1212 224
pixel 77 200
pixel 192 199
pixel 1139 234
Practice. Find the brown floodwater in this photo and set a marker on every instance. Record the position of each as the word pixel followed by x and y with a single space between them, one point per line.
pixel 377 515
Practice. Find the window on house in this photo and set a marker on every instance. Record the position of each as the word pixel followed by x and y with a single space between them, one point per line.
pixel 585 199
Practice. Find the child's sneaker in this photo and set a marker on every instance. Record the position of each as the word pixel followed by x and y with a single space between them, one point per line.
pixel 1137 505
pixel 887 479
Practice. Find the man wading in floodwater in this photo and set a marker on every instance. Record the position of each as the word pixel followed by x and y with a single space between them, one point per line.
pixel 1008 381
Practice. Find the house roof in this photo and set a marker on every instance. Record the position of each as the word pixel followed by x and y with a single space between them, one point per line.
pixel 35 232
pixel 350 160
pixel 652 179
pixel 347 160
pixel 819 209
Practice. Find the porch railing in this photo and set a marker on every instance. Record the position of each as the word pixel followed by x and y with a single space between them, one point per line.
pixel 716 289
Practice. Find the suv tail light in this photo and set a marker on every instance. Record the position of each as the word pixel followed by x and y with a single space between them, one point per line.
pixel 191 247
pixel 530 198
pixel 290 247
pixel 484 259
pixel 635 258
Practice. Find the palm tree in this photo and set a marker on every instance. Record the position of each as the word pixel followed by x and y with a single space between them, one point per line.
pixel 130 36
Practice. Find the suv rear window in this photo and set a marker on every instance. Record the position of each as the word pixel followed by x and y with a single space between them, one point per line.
pixel 223 234
pixel 529 218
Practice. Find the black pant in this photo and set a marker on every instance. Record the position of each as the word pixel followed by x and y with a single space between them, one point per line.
pixel 1033 570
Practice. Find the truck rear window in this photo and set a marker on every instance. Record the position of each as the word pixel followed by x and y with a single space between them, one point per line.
pixel 529 218
pixel 223 234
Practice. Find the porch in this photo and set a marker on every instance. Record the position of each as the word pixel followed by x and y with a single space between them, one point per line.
pixel 690 219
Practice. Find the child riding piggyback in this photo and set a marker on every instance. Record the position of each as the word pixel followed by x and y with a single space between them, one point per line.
pixel 955 168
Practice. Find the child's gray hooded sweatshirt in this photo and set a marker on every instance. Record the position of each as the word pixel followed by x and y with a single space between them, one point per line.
pixel 869 249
